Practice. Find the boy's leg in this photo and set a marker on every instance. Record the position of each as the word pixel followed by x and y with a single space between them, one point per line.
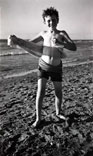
pixel 58 99
pixel 39 99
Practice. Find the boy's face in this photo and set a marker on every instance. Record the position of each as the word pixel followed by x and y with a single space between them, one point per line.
pixel 51 22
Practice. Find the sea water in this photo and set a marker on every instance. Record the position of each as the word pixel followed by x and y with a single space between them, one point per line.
pixel 16 60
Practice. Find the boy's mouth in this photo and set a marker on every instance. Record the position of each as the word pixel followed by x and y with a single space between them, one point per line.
pixel 52 26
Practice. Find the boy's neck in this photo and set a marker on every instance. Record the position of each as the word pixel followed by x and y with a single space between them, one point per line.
pixel 52 30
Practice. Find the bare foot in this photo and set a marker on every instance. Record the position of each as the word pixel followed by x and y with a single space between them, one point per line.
pixel 36 123
pixel 61 117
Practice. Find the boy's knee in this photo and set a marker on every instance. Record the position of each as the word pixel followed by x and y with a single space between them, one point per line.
pixel 41 92
pixel 58 94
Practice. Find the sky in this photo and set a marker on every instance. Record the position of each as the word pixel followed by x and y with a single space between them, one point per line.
pixel 24 17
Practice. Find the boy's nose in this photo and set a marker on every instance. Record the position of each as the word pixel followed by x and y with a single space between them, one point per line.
pixel 51 22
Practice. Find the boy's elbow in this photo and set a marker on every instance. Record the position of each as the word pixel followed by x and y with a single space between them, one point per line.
pixel 74 48
pixel 70 46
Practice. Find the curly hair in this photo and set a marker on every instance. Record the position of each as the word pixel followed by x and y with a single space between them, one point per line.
pixel 50 12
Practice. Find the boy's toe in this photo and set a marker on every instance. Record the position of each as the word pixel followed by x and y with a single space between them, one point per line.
pixel 36 124
pixel 61 117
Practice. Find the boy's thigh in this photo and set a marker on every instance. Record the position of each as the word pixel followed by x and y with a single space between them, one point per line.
pixel 56 77
pixel 57 85
pixel 42 74
pixel 41 84
pixel 58 88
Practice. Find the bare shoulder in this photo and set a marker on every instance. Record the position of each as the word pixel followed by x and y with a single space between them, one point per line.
pixel 63 32
pixel 42 33
pixel 65 35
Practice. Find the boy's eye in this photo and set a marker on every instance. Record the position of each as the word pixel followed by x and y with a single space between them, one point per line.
pixel 48 21
pixel 53 20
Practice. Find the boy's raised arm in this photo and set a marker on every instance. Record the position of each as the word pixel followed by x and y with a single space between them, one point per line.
pixel 37 38
pixel 68 43
pixel 31 47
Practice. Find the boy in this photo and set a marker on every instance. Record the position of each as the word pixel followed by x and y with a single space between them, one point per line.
pixel 50 64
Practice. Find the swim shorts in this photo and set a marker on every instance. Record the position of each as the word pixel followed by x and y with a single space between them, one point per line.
pixel 52 75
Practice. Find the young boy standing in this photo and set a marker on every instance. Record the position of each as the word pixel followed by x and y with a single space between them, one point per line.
pixel 50 64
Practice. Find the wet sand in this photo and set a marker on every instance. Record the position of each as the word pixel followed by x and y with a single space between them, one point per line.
pixel 53 137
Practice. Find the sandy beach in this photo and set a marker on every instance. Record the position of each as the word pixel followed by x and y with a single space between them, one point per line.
pixel 60 31
pixel 53 137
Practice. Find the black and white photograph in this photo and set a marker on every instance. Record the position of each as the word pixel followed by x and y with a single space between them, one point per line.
pixel 46 78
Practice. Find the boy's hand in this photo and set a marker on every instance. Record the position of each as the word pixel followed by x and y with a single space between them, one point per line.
pixel 12 40
pixel 59 44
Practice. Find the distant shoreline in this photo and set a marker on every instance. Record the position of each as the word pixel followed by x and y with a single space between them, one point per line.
pixel 5 50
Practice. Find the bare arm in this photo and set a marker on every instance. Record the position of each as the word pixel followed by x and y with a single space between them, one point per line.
pixel 31 47
pixel 68 43
pixel 37 38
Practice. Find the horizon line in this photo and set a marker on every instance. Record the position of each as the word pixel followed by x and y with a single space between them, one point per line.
pixel 73 39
